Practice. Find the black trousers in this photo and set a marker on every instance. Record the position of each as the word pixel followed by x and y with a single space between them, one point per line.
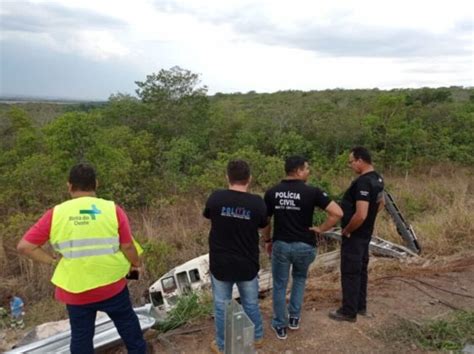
pixel 354 262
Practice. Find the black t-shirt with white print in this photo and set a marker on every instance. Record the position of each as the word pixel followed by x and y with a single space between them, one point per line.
pixel 368 187
pixel 233 239
pixel 292 203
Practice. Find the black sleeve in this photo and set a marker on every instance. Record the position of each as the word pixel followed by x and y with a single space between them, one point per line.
pixel 207 209
pixel 269 203
pixel 321 199
pixel 363 189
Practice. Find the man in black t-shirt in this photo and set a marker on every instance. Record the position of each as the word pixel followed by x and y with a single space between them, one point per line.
pixel 292 203
pixel 236 216
pixel 360 203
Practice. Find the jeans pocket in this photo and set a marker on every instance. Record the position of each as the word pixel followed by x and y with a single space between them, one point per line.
pixel 305 257
pixel 280 257
pixel 279 250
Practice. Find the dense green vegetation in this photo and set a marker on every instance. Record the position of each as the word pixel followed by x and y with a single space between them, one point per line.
pixel 160 153
pixel 174 139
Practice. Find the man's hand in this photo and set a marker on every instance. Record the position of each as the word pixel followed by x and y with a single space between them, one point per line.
pixel 362 209
pixel 345 233
pixel 130 252
pixel 268 248
pixel 334 214
pixel 320 239
pixel 140 269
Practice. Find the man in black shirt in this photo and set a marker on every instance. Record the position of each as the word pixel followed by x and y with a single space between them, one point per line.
pixel 292 203
pixel 236 216
pixel 360 204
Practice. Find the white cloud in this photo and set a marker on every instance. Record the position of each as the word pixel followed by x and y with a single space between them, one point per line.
pixel 63 29
pixel 262 45
pixel 99 45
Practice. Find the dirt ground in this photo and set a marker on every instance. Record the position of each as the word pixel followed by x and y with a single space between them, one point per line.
pixel 416 290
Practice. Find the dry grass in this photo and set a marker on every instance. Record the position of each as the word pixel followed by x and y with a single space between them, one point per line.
pixel 439 208
pixel 178 223
pixel 438 205
pixel 421 267
pixel 172 233
pixel 47 310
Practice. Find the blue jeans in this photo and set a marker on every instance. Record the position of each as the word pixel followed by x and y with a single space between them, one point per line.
pixel 299 255
pixel 119 309
pixel 222 293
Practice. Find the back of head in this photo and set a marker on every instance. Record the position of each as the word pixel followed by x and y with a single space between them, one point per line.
pixel 82 177
pixel 238 172
pixel 361 153
pixel 294 163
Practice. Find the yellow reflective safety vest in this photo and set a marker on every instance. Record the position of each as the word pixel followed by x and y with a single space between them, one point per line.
pixel 85 231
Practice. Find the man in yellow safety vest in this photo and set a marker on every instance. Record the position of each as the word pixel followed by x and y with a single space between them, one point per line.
pixel 97 250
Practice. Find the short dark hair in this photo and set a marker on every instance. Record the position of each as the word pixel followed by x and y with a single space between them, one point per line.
pixel 238 172
pixel 82 177
pixel 360 152
pixel 294 163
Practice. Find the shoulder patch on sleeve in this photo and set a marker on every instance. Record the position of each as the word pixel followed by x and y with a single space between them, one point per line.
pixel 364 193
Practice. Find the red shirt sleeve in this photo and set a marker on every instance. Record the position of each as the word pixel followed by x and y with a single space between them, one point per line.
pixel 38 234
pixel 125 233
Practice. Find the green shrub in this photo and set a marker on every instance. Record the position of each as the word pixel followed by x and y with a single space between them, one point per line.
pixel 157 256
pixel 452 333
pixel 188 308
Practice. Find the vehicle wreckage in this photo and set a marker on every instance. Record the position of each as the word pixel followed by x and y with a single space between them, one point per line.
pixel 193 276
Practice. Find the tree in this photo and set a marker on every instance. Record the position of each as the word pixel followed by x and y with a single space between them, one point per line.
pixel 124 109
pixel 16 122
pixel 170 85
pixel 179 105
pixel 19 139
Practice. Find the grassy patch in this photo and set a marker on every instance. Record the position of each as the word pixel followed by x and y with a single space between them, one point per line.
pixel 452 333
pixel 47 310
pixel 4 318
pixel 188 308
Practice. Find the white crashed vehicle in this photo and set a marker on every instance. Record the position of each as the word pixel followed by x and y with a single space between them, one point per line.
pixel 190 277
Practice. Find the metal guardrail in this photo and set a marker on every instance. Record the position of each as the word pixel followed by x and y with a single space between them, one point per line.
pixel 105 335
pixel 239 330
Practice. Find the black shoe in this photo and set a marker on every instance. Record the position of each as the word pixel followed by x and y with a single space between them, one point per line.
pixel 293 323
pixel 280 332
pixel 366 314
pixel 337 315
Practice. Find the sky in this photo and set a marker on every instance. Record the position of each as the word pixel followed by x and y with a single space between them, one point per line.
pixel 90 49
